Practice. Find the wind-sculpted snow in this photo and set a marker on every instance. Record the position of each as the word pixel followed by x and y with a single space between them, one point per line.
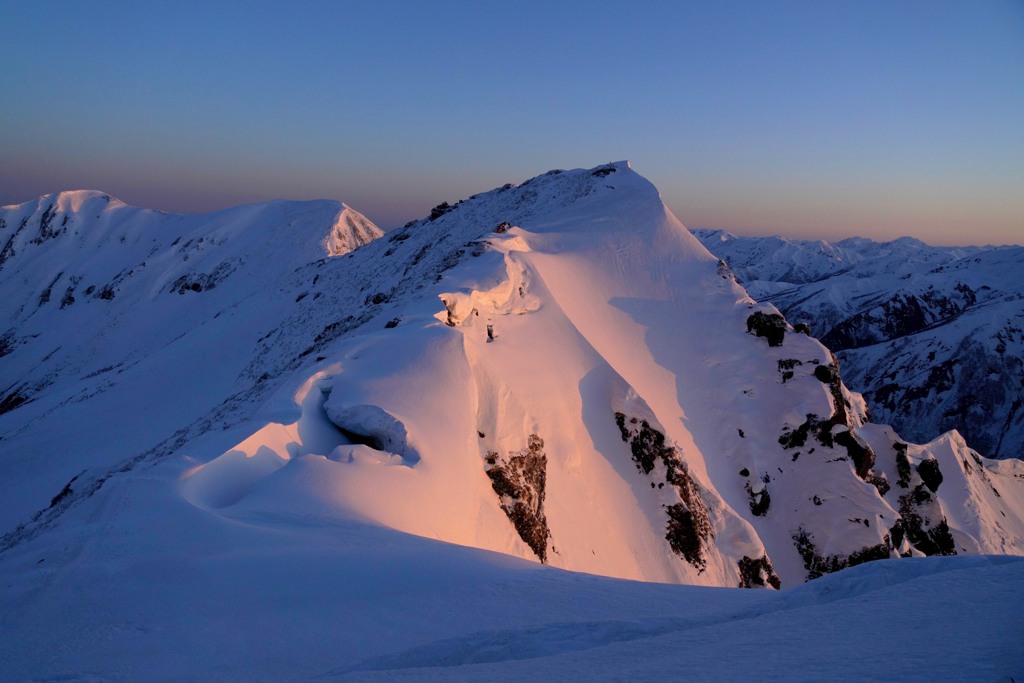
pixel 233 422
pixel 555 370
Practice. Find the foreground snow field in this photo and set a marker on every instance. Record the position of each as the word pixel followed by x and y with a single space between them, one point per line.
pixel 155 591
pixel 271 444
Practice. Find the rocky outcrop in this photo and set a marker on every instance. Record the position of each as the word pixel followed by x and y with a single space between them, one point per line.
pixel 931 336
pixel 519 480
pixel 758 573
pixel 689 526
pixel 819 565
pixel 771 326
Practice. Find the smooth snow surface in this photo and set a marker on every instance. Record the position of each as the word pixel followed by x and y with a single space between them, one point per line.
pixel 156 592
pixel 254 457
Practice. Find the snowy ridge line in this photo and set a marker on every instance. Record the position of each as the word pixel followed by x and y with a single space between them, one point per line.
pixel 70 205
pixel 556 371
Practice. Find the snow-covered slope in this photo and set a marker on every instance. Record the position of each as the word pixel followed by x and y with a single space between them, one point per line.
pixel 121 325
pixel 556 370
pixel 932 336
pixel 166 596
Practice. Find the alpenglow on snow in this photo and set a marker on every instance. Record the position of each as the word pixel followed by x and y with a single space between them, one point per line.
pixel 556 370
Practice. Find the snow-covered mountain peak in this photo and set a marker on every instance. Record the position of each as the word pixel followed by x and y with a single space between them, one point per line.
pixel 556 370
pixel 205 420
pixel 69 200
pixel 302 230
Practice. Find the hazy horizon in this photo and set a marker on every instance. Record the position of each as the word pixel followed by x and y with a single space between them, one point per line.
pixel 808 121
pixel 739 231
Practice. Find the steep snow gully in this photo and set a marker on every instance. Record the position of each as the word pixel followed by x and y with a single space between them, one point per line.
pixel 555 371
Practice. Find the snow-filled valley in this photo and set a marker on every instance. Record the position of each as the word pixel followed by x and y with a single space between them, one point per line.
pixel 274 443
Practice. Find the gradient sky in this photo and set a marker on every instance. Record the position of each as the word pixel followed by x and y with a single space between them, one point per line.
pixel 807 119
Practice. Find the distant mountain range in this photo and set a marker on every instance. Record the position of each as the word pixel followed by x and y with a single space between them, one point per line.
pixel 933 337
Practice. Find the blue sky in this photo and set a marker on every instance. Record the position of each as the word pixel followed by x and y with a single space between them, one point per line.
pixel 808 119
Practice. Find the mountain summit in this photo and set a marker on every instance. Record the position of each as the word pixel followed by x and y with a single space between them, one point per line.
pixel 556 370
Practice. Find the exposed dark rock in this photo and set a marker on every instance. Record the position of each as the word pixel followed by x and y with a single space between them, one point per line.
pixel 46 230
pixel 786 366
pixel 603 171
pixel 759 501
pixel 840 416
pixel 802 328
pixel 64 493
pixel 824 373
pixel 685 535
pixel 771 326
pixel 929 538
pixel 392 323
pixel 859 452
pixel 689 524
pixel 862 456
pixel 646 443
pixel 817 565
pixel 897 533
pixel 8 251
pixel 821 429
pixel 503 227
pixel 48 292
pixel 8 342
pixel 440 210
pixel 69 297
pixel 450 313
pixel 520 482
pixel 758 573
pixel 880 482
pixel 15 397
pixel 930 474
pixel 194 282
pixel 902 465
